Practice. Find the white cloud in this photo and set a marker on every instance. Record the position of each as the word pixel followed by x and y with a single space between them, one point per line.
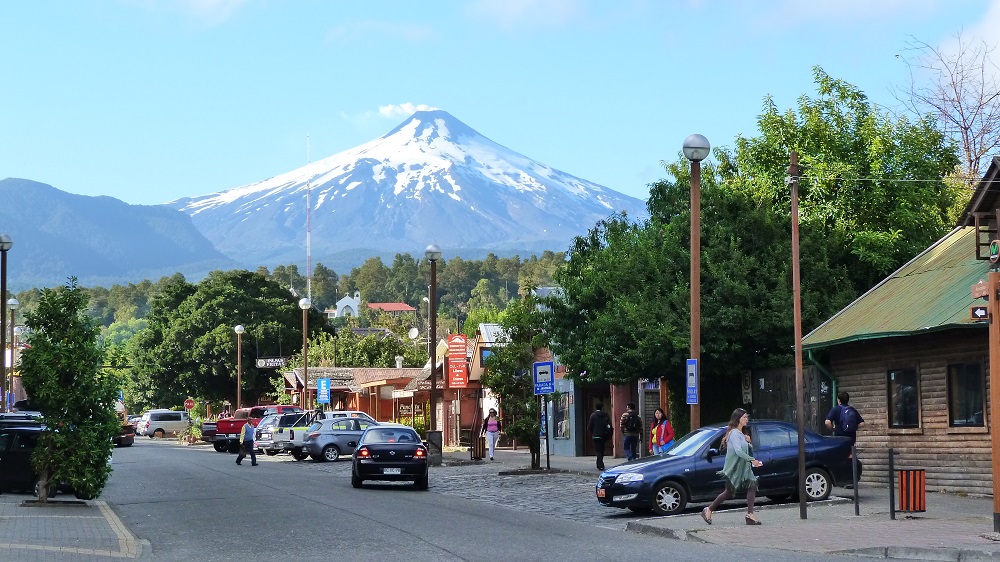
pixel 402 109
pixel 510 14
pixel 360 29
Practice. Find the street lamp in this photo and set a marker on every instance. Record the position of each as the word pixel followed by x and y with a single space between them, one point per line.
pixel 433 254
pixel 305 304
pixel 5 244
pixel 696 149
pixel 239 364
pixel 12 304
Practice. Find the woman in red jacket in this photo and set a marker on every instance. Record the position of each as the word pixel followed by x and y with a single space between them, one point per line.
pixel 661 433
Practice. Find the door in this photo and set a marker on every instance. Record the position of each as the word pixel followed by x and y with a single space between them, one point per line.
pixel 704 480
pixel 777 446
pixel 16 447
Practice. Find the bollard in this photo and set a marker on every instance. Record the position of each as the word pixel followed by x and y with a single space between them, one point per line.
pixel 892 486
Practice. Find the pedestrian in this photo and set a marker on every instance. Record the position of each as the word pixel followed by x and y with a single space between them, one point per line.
pixel 631 425
pixel 661 433
pixel 492 429
pixel 738 468
pixel 247 444
pixel 600 430
pixel 843 419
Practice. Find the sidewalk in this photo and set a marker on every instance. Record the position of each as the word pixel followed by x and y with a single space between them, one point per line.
pixel 954 527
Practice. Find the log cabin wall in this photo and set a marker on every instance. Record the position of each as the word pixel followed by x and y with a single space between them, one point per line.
pixel 957 459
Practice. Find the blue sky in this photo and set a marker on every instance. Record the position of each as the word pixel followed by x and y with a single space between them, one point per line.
pixel 152 100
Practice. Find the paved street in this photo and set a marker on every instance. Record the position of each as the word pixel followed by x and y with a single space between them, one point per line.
pixel 181 503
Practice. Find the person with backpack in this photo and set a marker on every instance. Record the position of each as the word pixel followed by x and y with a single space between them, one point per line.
pixel 601 430
pixel 631 425
pixel 843 419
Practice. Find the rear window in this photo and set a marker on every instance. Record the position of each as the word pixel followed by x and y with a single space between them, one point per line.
pixel 241 414
pixel 390 435
pixel 315 427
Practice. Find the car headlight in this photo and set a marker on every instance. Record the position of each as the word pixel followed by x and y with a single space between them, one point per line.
pixel 628 478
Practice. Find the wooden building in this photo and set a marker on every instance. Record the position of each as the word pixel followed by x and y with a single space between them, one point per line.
pixel 914 355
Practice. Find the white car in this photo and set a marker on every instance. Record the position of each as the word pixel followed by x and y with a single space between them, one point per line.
pixel 159 423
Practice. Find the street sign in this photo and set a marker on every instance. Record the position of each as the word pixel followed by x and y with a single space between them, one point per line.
pixel 270 362
pixel 323 391
pixel 188 404
pixel 692 381
pixel 980 290
pixel 994 250
pixel 979 312
pixel 545 382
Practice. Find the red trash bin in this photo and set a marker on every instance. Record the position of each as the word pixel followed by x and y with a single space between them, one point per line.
pixel 912 490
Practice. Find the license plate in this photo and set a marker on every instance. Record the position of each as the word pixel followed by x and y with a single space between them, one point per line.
pixel 392 471
pixel 601 492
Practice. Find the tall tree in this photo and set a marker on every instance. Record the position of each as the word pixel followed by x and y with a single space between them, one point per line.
pixel 61 371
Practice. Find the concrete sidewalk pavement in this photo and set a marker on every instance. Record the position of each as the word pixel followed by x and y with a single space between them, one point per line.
pixel 954 527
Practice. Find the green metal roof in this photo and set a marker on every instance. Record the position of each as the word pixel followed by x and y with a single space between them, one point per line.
pixel 931 292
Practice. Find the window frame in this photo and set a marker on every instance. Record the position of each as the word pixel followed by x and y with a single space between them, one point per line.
pixel 890 403
pixel 982 392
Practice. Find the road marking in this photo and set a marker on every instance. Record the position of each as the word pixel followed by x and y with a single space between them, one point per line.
pixel 128 545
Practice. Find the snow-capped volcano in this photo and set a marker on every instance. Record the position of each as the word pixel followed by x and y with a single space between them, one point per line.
pixel 432 179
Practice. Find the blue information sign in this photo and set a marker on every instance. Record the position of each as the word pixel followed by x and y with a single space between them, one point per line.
pixel 545 382
pixel 692 381
pixel 323 391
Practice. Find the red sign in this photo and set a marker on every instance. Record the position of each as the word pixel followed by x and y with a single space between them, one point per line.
pixel 980 290
pixel 188 404
pixel 458 374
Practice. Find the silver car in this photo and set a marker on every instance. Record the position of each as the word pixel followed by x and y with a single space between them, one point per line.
pixel 327 439
pixel 264 440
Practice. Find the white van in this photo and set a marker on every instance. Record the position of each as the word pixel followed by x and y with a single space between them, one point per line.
pixel 158 423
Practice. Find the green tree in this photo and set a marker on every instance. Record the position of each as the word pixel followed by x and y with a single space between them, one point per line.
pixel 509 372
pixel 61 371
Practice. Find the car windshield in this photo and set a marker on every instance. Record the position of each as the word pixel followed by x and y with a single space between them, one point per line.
pixel 390 435
pixel 691 443
pixel 267 421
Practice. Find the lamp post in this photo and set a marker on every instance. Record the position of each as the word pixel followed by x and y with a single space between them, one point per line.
pixel 12 304
pixel 239 364
pixel 305 304
pixel 433 254
pixel 696 149
pixel 5 244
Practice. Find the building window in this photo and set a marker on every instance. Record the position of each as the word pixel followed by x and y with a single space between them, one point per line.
pixel 904 398
pixel 966 395
pixel 560 417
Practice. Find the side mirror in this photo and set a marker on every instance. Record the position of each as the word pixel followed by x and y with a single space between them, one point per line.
pixel 712 453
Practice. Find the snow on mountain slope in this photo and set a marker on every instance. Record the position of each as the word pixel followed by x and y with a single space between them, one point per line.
pixel 432 179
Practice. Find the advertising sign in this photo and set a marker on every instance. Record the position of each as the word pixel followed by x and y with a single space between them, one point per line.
pixel 458 375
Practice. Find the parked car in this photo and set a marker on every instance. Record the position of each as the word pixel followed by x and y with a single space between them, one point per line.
pixel 26 408
pixel 262 439
pixel 331 414
pixel 157 423
pixel 125 437
pixel 686 473
pixel 327 439
pixel 18 440
pixel 390 452
pixel 288 434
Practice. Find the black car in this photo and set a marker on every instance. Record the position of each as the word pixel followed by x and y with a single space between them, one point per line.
pixel 17 442
pixel 686 473
pixel 390 452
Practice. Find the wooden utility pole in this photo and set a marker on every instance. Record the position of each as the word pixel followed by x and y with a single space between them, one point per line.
pixel 993 295
pixel 793 180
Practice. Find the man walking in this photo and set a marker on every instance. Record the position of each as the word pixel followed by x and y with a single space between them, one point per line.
pixel 631 425
pixel 843 419
pixel 247 444
pixel 601 430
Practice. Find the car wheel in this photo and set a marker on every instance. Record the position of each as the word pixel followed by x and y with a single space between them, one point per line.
pixel 669 498
pixel 158 433
pixel 818 485
pixel 38 488
pixel 270 452
pixel 356 480
pixel 421 482
pixel 331 453
pixel 220 446
pixel 299 454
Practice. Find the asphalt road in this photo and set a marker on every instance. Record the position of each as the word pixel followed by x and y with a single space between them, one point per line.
pixel 192 503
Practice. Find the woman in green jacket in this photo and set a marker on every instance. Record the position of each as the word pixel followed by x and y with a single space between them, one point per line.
pixel 738 468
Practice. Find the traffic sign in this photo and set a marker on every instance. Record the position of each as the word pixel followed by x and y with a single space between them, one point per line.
pixel 692 381
pixel 980 290
pixel 323 391
pixel 979 313
pixel 188 404
pixel 545 382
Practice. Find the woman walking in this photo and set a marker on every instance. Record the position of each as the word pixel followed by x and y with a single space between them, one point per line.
pixel 492 429
pixel 661 433
pixel 738 468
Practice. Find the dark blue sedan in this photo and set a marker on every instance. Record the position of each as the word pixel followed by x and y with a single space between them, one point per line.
pixel 686 473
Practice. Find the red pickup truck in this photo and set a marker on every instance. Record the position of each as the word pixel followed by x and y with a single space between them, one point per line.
pixel 227 430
